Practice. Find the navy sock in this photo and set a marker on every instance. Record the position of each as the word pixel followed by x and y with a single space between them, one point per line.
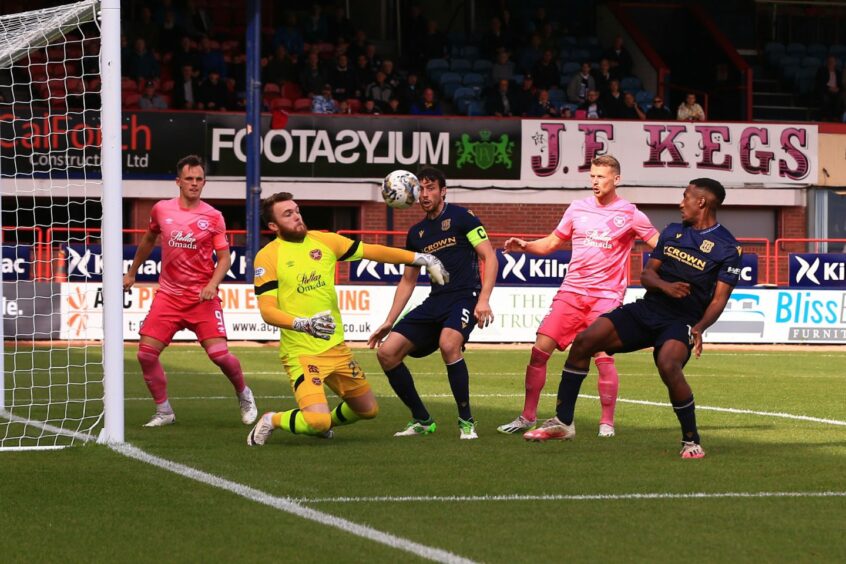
pixel 568 393
pixel 459 383
pixel 686 413
pixel 399 377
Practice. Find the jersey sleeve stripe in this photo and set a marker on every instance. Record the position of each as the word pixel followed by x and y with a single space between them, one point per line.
pixel 350 252
pixel 299 381
pixel 267 287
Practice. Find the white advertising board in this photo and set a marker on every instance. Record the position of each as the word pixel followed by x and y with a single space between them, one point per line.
pixel 751 316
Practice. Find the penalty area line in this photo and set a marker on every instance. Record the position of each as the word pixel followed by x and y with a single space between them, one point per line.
pixel 566 497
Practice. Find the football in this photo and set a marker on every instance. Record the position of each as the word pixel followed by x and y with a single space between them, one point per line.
pixel 400 189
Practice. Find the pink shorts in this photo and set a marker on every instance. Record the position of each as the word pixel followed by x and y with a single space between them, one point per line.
pixel 169 315
pixel 571 314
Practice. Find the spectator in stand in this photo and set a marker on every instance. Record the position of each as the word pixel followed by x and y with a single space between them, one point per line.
pixel 146 28
pixel 592 107
pixel 530 55
pixel 539 19
pixel 370 108
pixel 323 102
pixel 503 67
pixel 566 112
pixel 689 110
pixel 315 26
pixel 338 25
pixel 434 44
pixel 495 39
pixel 500 102
pixel 581 84
pixel 186 54
pixel 313 76
pixel 289 36
pixel 379 90
pixel 150 100
pixel 603 76
pixel 525 96
pixel 211 58
pixel 546 72
pixel 141 64
pixel 427 105
pixel 393 107
pixel 170 32
pixel 214 96
pixel 196 20
pixel 409 91
pixel 374 61
pixel 342 79
pixel 827 86
pixel 414 33
pixel 391 76
pixel 547 36
pixel 542 107
pixel 630 109
pixel 363 75
pixel 358 46
pixel 658 111
pixel 280 68
pixel 344 107
pixel 619 57
pixel 612 102
pixel 186 90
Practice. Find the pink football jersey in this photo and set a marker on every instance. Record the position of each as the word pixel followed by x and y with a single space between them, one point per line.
pixel 603 237
pixel 188 238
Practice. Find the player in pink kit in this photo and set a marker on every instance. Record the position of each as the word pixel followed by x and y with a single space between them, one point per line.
pixel 191 231
pixel 603 229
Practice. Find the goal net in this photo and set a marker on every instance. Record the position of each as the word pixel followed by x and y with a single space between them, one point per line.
pixel 51 385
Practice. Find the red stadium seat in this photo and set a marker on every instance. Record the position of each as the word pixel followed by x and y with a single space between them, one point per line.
pixel 355 105
pixel 302 105
pixel 281 104
pixel 292 91
pixel 130 100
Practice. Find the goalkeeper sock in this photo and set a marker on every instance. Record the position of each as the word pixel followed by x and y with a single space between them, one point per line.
pixel 459 383
pixel 568 393
pixel 228 363
pixel 296 422
pixel 399 377
pixel 686 414
pixel 535 381
pixel 154 374
pixel 607 384
pixel 344 415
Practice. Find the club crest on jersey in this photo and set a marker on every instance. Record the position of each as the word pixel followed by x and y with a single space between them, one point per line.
pixel 168 220
pixel 445 224
pixel 316 254
pixel 619 220
pixel 706 246
pixel 203 223
pixel 316 381
pixel 313 369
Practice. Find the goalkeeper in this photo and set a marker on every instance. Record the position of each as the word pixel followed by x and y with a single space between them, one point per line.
pixel 295 286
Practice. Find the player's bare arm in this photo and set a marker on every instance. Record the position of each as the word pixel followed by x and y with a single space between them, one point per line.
pixel 482 312
pixel 403 293
pixel 142 253
pixel 224 261
pixel 653 241
pixel 544 246
pixel 650 280
pixel 718 303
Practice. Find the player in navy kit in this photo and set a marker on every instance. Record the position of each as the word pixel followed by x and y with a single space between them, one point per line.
pixel 446 318
pixel 688 280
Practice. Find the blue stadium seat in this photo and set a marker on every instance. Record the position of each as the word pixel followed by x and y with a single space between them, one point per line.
pixel 436 67
pixel 460 65
pixel 457 38
pixel 580 55
pixel 557 97
pixel 644 97
pixel 565 54
pixel 817 50
pixel 482 66
pixel 464 92
pixel 813 62
pixel 804 80
pixel 796 49
pixel 788 61
pixel 630 84
pixel 470 52
pixel 837 50
pixel 570 68
pixel 449 88
pixel 474 79
pixel 476 108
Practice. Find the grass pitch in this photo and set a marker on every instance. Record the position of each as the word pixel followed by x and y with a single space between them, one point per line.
pixel 497 499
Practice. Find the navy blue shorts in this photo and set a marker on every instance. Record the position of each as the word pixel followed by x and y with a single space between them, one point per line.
pixel 640 325
pixel 423 325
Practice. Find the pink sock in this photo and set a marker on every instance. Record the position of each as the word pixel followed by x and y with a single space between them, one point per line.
pixel 154 374
pixel 535 380
pixel 228 363
pixel 607 384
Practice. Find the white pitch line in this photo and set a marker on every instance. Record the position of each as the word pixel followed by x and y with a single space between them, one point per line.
pixel 291 506
pixel 566 497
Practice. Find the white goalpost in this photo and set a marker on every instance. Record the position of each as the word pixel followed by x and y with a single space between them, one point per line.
pixel 60 182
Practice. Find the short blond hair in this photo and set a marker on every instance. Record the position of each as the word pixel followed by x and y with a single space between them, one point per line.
pixel 607 160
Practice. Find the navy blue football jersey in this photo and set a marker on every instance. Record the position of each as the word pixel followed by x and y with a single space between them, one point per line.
pixel 700 258
pixel 451 237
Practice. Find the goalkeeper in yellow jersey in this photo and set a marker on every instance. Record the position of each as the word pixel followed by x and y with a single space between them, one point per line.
pixel 295 286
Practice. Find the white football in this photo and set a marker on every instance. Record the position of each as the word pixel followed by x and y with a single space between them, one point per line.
pixel 400 189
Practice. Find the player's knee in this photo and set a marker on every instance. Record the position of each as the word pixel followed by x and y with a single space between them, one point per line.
pixel 387 358
pixel 601 361
pixel 147 356
pixel 218 353
pixel 369 412
pixel 539 358
pixel 318 422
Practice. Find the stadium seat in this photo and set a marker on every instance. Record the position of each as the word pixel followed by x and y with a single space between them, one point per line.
pixel 302 105
pixel 817 50
pixel 630 84
pixel 580 55
pixel 644 97
pixel 805 79
pixel 130 100
pixel 449 89
pixel 482 66
pixel 796 49
pixel 281 104
pixel 557 97
pixel 291 90
pixel 435 68
pixel 463 92
pixel 812 62
pixel 474 79
pixel 570 68
pixel 355 105
pixel 470 52
pixel 460 65
pixel 476 108
pixel 448 77
pixel 837 50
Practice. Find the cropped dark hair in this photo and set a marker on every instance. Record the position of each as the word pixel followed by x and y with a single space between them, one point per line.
pixel 190 160
pixel 431 173
pixel 712 186
pixel 268 203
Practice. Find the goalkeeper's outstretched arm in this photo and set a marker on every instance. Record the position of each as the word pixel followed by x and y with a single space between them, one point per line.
pixel 394 255
pixel 320 325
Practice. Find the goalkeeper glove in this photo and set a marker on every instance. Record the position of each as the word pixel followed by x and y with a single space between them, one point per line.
pixel 320 325
pixel 434 267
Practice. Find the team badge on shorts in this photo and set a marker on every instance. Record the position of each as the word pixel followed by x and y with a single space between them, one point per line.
pixel 445 224
pixel 316 254
pixel 203 224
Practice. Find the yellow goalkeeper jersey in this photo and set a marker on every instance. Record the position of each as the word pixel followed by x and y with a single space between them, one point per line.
pixel 302 278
